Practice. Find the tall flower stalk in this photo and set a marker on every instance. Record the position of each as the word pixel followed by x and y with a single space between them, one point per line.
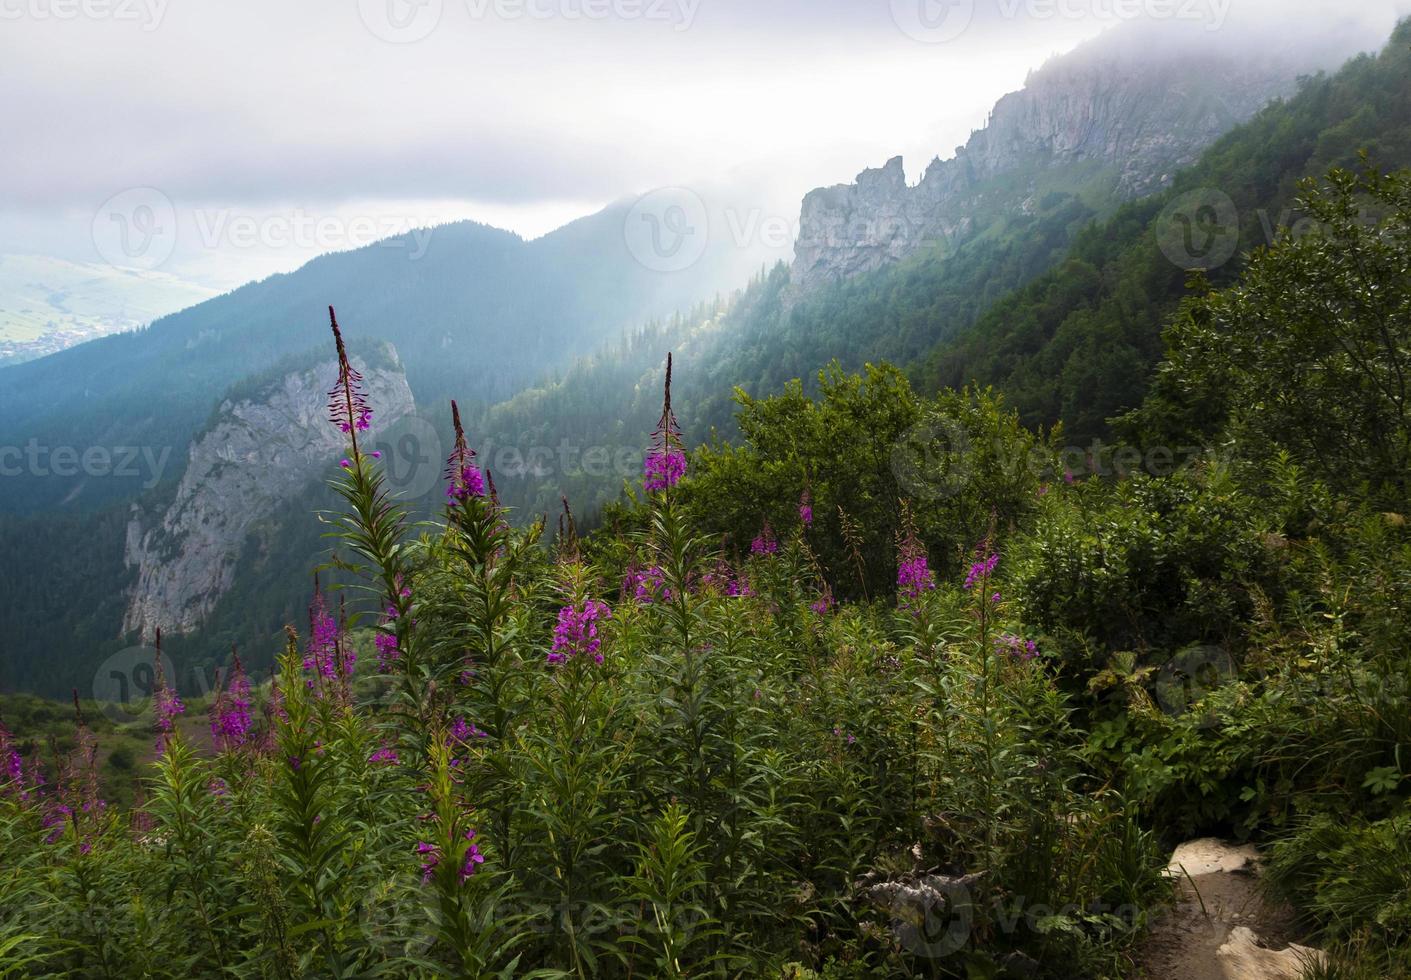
pixel 665 464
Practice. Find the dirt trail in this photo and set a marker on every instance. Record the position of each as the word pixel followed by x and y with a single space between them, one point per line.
pixel 1220 928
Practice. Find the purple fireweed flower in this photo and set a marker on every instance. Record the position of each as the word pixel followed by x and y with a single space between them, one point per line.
pixel 274 707
pixel 217 787
pixel 321 656
pixel 430 856
pixel 665 464
pixel 766 543
pixel 469 482
pixel 1015 647
pixel 463 475
pixel 55 820
pixel 12 778
pixel 347 404
pixel 724 580
pixel 981 570
pixel 824 604
pixel 388 653
pixel 806 509
pixel 577 632
pixel 463 731
pixel 166 703
pixel 914 575
pixel 385 755
pixel 646 585
pixel 230 719
pixel 663 469
pixel 473 857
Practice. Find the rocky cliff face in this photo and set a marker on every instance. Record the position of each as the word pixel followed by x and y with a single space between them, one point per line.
pixel 258 452
pixel 1113 120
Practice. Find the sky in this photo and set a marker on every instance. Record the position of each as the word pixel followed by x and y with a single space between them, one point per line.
pixel 248 136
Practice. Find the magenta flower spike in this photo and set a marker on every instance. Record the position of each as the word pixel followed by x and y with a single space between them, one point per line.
pixel 766 543
pixel 463 475
pixel 914 575
pixel 231 720
pixel 347 403
pixel 166 703
pixel 665 464
pixel 577 632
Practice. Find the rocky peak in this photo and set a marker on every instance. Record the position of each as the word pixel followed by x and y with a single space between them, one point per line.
pixel 1113 120
pixel 260 449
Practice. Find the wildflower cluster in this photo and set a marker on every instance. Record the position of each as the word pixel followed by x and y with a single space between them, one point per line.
pixel 981 570
pixel 646 585
pixel 765 543
pixel 230 714
pixel 914 575
pixel 804 746
pixel 576 633
pixel 1016 647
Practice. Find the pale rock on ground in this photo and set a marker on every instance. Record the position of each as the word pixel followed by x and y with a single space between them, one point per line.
pixel 1221 927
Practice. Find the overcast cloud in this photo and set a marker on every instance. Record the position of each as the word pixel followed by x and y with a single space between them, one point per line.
pixel 521 113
